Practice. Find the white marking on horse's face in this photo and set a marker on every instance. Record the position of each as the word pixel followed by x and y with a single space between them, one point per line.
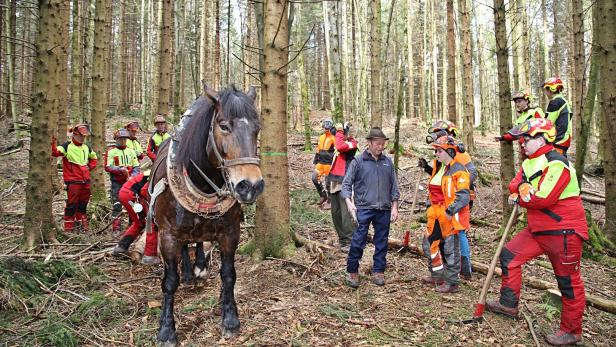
pixel 244 120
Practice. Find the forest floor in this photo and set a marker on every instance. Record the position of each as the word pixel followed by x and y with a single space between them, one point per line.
pixel 77 294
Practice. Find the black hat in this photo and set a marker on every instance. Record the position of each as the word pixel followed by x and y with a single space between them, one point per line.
pixel 376 133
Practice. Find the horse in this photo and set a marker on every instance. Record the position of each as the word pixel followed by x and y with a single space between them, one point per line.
pixel 199 179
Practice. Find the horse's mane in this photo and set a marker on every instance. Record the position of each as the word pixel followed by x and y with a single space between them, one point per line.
pixel 235 104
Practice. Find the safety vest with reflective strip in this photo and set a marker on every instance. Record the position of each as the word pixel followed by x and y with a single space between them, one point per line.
pixel 529 114
pixel 456 184
pixel 158 139
pixel 79 155
pixel 135 146
pixel 543 173
pixel 553 116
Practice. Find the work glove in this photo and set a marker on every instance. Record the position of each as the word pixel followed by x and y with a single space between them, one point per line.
pixel 422 163
pixel 513 199
pixel 526 190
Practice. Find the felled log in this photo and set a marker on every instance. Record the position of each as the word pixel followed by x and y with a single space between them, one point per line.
pixel 593 199
pixel 592 300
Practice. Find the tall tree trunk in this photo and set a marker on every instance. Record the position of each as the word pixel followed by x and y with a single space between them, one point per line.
pixel 504 109
pixel 204 51
pixel 606 28
pixel 452 113
pixel 178 97
pixel 122 106
pixel 11 34
pixel 557 47
pixel 469 91
pixel 38 218
pixel 76 63
pixel 63 97
pixel 217 71
pixel 99 91
pixel 272 229
pixel 331 12
pixel 303 90
pixel 409 60
pixel 376 117
pixel 165 56
pixel 581 143
pixel 579 66
pixel 145 49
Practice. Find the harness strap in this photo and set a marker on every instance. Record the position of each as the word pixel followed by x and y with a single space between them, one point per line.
pixel 159 188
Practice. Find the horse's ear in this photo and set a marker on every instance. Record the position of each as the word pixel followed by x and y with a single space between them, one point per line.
pixel 209 93
pixel 252 93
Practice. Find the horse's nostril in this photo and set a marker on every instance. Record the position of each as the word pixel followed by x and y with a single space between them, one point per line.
pixel 259 187
pixel 243 187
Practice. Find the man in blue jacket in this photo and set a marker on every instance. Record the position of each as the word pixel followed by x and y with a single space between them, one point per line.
pixel 370 190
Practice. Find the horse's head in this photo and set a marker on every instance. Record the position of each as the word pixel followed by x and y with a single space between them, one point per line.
pixel 233 141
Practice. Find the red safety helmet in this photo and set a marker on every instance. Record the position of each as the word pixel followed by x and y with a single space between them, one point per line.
pixel 554 84
pixel 134 125
pixel 158 119
pixel 446 125
pixel 535 127
pixel 520 95
pixel 121 133
pixel 82 129
pixel 449 144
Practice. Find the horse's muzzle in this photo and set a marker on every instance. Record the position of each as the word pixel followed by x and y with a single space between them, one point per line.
pixel 247 192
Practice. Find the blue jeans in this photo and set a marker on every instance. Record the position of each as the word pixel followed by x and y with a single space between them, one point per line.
pixel 465 252
pixel 380 220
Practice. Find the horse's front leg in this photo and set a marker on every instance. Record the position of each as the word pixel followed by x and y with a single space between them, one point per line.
pixel 166 332
pixel 230 320
pixel 187 273
pixel 202 261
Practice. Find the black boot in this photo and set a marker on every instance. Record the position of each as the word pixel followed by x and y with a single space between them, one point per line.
pixel 122 246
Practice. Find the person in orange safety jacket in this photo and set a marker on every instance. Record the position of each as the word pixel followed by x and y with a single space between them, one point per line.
pixel 546 185
pixel 323 161
pixel 77 162
pixel 121 163
pixel 448 215
pixel 134 191
pixel 159 136
pixel 442 128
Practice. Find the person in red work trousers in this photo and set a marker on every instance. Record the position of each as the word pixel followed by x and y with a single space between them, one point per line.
pixel 134 191
pixel 121 163
pixel 159 136
pixel 547 187
pixel 77 162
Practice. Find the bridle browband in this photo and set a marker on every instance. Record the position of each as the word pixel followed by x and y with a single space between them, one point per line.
pixel 224 164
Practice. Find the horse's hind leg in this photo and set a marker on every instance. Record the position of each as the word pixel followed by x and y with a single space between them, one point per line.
pixel 230 320
pixel 202 261
pixel 166 333
pixel 187 274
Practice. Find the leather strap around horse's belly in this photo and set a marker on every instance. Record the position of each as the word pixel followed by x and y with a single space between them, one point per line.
pixel 193 200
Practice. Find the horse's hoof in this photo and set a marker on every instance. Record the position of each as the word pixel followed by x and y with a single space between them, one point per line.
pixel 188 280
pixel 200 272
pixel 230 333
pixel 166 337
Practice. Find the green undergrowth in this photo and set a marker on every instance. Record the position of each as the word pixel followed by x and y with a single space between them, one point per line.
pixel 304 210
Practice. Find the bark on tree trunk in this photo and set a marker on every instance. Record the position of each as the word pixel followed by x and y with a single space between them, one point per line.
pixel 452 113
pixel 272 230
pixel 607 41
pixel 376 119
pixel 469 91
pixel 38 219
pixel 165 56
pixel 99 92
pixel 506 148
pixel 76 64
pixel 410 64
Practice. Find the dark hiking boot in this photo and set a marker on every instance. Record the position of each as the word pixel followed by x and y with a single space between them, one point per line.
pixel 122 246
pixel 495 306
pixel 150 260
pixel 352 280
pixel 323 199
pixel 446 288
pixel 561 338
pixel 326 206
pixel 432 281
pixel 378 278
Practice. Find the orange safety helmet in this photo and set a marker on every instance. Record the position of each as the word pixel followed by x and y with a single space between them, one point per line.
pixel 159 119
pixel 535 127
pixel 554 84
pixel 449 144
pixel 132 125
pixel 520 95
pixel 446 125
pixel 121 133
pixel 82 129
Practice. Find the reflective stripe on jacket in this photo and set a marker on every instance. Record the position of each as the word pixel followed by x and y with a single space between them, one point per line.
pixel 556 204
pixel 77 161
pixel 456 190
pixel 135 146
pixel 117 158
pixel 559 112
pixel 154 143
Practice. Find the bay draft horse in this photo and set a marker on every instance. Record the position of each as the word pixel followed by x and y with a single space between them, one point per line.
pixel 217 151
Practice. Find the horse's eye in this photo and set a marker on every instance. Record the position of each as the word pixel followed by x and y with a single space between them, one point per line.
pixel 224 126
